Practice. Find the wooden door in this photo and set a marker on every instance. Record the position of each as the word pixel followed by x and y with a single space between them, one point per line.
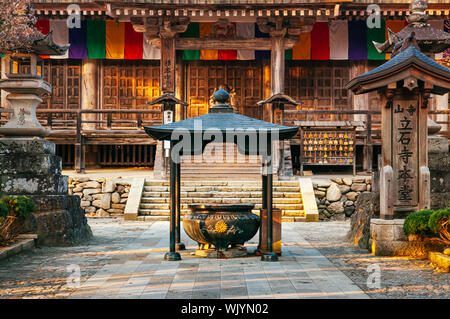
pixel 245 77
pixel 319 85
pixel 129 85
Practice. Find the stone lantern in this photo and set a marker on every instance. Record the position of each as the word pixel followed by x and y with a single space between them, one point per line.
pixel 28 162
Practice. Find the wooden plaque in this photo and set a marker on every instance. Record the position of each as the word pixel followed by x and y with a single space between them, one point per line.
pixel 405 140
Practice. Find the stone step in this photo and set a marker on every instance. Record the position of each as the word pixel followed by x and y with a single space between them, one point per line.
pixel 235 189
pixel 167 218
pixel 166 212
pixel 218 195
pixel 233 183
pixel 192 200
pixel 284 207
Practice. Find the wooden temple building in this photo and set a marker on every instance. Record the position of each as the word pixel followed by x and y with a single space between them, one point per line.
pixel 126 53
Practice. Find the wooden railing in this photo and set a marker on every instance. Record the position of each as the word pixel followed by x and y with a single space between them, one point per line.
pixel 120 126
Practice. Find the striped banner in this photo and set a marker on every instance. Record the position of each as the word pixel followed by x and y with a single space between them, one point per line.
pixel 334 40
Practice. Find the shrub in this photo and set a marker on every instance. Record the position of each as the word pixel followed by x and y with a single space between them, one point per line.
pixel 417 223
pixel 439 223
pixel 19 206
pixel 3 212
pixel 15 210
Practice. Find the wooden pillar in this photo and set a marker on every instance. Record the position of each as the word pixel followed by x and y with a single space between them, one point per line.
pixel 89 91
pixel 179 87
pixel 277 61
pixel 4 102
pixel 89 101
pixel 361 102
pixel 268 116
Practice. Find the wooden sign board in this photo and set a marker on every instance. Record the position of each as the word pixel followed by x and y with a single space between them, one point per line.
pixel 167 65
pixel 405 153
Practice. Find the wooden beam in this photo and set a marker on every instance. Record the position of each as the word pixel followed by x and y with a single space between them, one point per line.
pixel 228 44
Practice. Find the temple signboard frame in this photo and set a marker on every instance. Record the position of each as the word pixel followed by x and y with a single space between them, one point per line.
pixel 404 84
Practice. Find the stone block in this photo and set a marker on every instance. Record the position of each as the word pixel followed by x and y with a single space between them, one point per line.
pixel 115 211
pixel 336 208
pixel 358 179
pixel 109 187
pixel 118 206
pixel 91 184
pixel 36 164
pixel 115 198
pixel 106 201
pixel 344 189
pixel 347 181
pixel 90 209
pixel 440 260
pixel 437 144
pixel 319 194
pixel 102 213
pixel 29 184
pixel 85 203
pixel 333 193
pixel 352 196
pixel 28 145
pixel 337 180
pixel 90 191
pixel 358 187
pixel 97 203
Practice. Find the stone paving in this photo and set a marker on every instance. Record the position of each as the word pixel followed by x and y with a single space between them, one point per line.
pixel 125 260
pixel 302 272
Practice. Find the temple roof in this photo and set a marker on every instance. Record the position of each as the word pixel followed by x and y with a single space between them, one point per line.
pixel 221 2
pixel 399 68
pixel 46 46
pixel 223 122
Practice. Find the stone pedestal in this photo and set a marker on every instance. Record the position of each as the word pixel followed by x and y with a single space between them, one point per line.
pixel 30 167
pixel 439 164
pixel 388 239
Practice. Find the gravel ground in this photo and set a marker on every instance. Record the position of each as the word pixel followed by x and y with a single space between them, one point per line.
pixel 400 277
pixel 43 273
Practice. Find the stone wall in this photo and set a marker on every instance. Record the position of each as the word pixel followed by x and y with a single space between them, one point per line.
pixel 101 197
pixel 336 197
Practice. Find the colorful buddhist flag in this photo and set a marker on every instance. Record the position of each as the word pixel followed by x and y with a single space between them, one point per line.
pixel 43 26
pixel 302 49
pixel 150 52
pixel 133 43
pixel 377 35
pixel 339 40
pixel 60 36
pixel 357 40
pixel 192 31
pixel 205 30
pixel 245 30
pixel 115 39
pixel 320 41
pixel 96 39
pixel 261 54
pixel 226 31
pixel 77 39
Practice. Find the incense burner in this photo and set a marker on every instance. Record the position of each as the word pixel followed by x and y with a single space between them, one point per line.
pixel 221 225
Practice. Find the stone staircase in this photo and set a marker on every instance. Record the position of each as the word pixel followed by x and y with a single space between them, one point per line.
pixel 287 196
pixel 226 164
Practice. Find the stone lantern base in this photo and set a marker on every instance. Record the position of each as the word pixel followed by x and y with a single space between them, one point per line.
pixel 388 239
pixel 30 167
